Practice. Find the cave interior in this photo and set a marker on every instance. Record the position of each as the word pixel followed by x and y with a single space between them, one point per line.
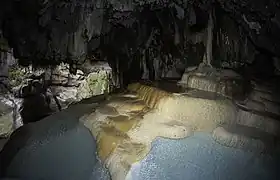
pixel 161 51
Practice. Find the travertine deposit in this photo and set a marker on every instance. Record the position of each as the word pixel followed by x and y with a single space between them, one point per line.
pixel 126 124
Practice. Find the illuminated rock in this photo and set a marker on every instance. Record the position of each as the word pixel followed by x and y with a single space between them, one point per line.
pixel 223 82
pixel 10 118
pixel 206 115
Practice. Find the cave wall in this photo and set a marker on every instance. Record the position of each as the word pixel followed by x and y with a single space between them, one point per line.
pixel 260 21
pixel 235 48
pixel 6 61
pixel 48 32
pixel 141 38
pixel 232 48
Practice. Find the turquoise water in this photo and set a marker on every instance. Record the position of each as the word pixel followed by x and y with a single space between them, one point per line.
pixel 200 158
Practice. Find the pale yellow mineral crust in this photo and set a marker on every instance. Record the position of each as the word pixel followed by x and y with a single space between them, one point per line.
pixel 126 125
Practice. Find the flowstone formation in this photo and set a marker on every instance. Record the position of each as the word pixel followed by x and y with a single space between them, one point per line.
pixel 220 116
pixel 110 124
pixel 126 124
pixel 223 82
pixel 257 102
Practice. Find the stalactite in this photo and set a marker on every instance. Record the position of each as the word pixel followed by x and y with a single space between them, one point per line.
pixel 209 40
pixel 117 77
pixel 150 62
pixel 177 34
pixel 176 31
pixel 158 70
pixel 145 74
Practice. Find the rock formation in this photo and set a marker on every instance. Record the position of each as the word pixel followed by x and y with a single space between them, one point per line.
pixel 28 95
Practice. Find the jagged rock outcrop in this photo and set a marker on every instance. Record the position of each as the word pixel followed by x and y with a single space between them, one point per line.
pixel 71 88
pixel 28 94
pixel 57 90
pixel 10 118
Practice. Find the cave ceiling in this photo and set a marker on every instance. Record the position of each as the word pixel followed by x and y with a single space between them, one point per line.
pixel 46 32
